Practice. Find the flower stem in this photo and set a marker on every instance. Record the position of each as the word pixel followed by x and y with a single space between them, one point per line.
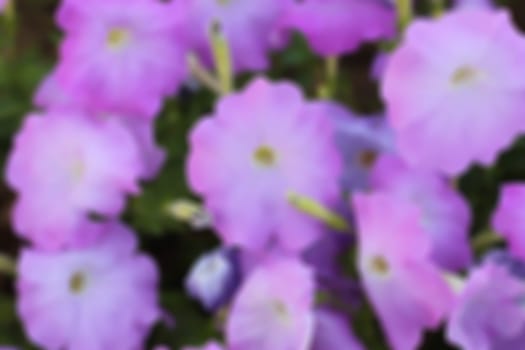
pixel 485 240
pixel 438 6
pixel 7 265
pixel 222 57
pixel 190 212
pixel 10 25
pixel 329 87
pixel 204 77
pixel 404 13
pixel 316 210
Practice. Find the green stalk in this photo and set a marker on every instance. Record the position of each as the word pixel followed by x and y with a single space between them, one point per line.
pixel 7 265
pixel 404 13
pixel 438 7
pixel 222 57
pixel 485 240
pixel 329 87
pixel 204 77
pixel 10 26
pixel 316 210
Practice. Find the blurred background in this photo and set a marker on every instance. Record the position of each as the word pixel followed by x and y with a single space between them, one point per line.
pixel 28 51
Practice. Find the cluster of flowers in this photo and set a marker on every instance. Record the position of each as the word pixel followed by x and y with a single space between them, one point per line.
pixel 263 158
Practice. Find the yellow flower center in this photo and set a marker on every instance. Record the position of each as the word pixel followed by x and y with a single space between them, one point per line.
pixel 367 158
pixel 77 283
pixel 280 311
pixel 265 156
pixel 117 37
pixel 379 265
pixel 464 75
pixel 77 170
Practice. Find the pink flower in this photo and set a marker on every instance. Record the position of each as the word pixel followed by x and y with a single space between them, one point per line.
pixel 360 140
pixel 151 155
pixel 455 88
pixel 273 310
pixel 445 214
pixel 488 314
pixel 332 331
pixel 3 5
pixel 52 95
pixel 336 27
pixel 212 345
pixel 66 167
pixel 508 219
pixel 99 298
pixel 473 3
pixel 251 28
pixel 121 55
pixel 213 278
pixel 260 144
pixel 407 291
pixel 379 66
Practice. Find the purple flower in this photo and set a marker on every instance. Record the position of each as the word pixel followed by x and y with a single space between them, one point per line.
pixel 489 314
pixel 273 309
pixel 407 290
pixel 360 140
pixel 65 167
pixel 52 95
pixel 122 56
pixel 473 3
pixel 324 256
pixel 508 219
pixel 213 278
pixel 445 214
pixel 455 88
pixel 325 253
pixel 3 5
pixel 260 144
pixel 251 28
pixel 502 257
pixel 336 27
pixel 379 65
pixel 332 331
pixel 99 298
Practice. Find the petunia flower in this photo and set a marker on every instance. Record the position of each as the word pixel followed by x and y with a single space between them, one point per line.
pixel 251 28
pixel 102 297
pixel 408 292
pixel 259 145
pixel 445 214
pixel 52 95
pixel 214 277
pixel 3 5
pixel 465 4
pixel 332 331
pixel 123 56
pixel 489 313
pixel 508 219
pixel 454 90
pixel 65 168
pixel 336 27
pixel 360 140
pixel 273 309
